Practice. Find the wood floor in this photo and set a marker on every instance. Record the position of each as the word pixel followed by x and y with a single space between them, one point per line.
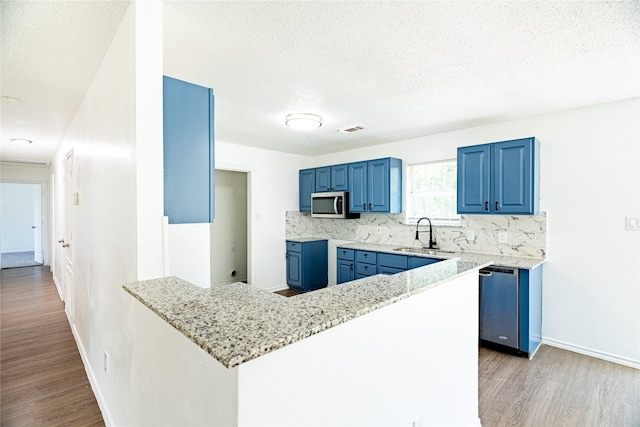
pixel 43 382
pixel 556 388
pixel 42 378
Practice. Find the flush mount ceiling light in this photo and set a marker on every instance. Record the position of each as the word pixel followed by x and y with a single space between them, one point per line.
pixel 303 121
pixel 20 141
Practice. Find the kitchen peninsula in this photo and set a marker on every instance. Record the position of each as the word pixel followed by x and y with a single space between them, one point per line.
pixel 383 350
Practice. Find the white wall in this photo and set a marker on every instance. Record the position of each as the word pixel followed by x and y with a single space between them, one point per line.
pixel 590 181
pixel 115 238
pixel 229 230
pixel 16 217
pixel 273 189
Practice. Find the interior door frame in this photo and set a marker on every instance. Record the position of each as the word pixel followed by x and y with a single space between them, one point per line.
pixel 247 170
pixel 45 214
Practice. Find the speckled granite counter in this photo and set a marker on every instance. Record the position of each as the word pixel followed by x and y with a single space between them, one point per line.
pixel 471 257
pixel 305 239
pixel 238 322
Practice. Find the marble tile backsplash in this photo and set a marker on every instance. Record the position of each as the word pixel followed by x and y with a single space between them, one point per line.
pixel 526 235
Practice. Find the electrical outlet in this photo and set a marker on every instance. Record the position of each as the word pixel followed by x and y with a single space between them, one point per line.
pixel 106 362
pixel 379 230
pixel 633 223
pixel 502 237
pixel 471 235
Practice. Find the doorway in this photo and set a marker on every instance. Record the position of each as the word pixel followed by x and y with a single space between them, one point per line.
pixel 229 230
pixel 21 224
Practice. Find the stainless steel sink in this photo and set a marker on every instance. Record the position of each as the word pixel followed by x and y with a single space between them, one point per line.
pixel 424 251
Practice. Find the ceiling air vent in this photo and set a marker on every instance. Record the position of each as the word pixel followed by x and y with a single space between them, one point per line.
pixel 352 128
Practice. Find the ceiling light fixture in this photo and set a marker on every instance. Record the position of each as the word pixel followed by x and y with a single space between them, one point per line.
pixel 303 121
pixel 21 141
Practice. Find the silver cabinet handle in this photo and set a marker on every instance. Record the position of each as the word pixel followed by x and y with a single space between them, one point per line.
pixel 485 273
pixel 61 241
pixel 65 245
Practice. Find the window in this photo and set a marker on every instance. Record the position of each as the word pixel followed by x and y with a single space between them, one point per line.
pixel 432 191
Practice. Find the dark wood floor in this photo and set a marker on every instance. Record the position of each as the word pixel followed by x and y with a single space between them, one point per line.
pixel 42 379
pixel 43 382
pixel 556 388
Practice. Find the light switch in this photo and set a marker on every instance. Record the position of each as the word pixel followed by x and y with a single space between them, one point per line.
pixel 633 223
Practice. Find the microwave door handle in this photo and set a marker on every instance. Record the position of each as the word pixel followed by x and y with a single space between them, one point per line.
pixel 335 205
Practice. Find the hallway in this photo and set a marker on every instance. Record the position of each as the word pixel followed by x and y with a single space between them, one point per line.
pixel 43 381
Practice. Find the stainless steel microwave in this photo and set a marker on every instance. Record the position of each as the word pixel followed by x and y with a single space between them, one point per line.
pixel 331 205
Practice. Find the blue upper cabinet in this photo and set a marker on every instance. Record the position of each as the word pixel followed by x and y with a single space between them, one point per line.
pixel 499 178
pixel 331 178
pixel 473 179
pixel 357 187
pixel 188 149
pixel 375 186
pixel 306 186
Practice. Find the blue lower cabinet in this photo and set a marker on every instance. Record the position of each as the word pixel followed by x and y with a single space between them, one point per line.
pixel 391 264
pixel 419 261
pixel 307 265
pixel 365 270
pixel 345 265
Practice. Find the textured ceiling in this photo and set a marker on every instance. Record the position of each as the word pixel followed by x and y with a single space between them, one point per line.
pixel 404 69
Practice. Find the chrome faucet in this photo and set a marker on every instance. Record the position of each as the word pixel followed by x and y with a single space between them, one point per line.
pixel 432 241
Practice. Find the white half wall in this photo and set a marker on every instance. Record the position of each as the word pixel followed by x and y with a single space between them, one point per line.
pixel 590 181
pixel 414 362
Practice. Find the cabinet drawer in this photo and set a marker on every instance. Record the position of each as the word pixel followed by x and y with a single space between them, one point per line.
pixel 365 269
pixel 390 270
pixel 418 261
pixel 395 261
pixel 348 254
pixel 294 246
pixel 366 256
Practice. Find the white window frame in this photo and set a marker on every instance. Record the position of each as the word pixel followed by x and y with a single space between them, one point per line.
pixel 409 219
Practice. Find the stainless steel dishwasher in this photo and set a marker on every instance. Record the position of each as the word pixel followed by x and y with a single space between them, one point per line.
pixel 499 306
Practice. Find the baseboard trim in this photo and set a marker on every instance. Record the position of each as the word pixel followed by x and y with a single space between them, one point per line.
pixel 592 353
pixel 58 288
pixel 92 378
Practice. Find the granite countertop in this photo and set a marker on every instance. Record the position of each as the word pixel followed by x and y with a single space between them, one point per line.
pixel 527 263
pixel 238 322
pixel 306 239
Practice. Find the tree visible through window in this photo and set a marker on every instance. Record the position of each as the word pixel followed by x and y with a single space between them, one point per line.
pixel 432 190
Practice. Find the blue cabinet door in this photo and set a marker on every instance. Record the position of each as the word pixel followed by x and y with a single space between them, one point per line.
pixel 306 183
pixel 357 180
pixel 499 178
pixel 188 151
pixel 323 179
pixel 339 180
pixel 474 179
pixel 294 269
pixel 345 271
pixel 378 185
pixel 512 176
pixel 331 178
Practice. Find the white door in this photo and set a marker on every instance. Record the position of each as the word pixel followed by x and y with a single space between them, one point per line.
pixel 37 223
pixel 67 238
